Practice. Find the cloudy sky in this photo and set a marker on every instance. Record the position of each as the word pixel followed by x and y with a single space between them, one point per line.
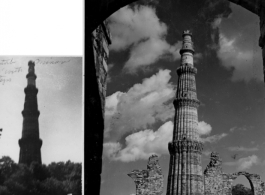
pixel 146 38
pixel 59 80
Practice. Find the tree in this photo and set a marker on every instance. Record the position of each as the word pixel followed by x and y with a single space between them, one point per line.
pixel 55 179
pixel 240 189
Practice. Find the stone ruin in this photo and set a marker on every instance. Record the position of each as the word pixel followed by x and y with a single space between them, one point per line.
pixel 150 181
pixel 216 182
pixel 213 176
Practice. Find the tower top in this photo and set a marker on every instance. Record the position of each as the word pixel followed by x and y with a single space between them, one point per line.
pixel 31 66
pixel 187 32
pixel 187 45
pixel 31 63
pixel 31 74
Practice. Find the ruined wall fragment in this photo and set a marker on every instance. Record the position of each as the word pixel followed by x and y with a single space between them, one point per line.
pixel 216 182
pixel 213 178
pixel 150 181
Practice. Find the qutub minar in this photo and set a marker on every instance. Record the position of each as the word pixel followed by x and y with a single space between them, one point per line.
pixel 185 174
pixel 185 170
pixel 30 143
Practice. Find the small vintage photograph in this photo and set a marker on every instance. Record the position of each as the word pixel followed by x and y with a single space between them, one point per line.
pixel 41 125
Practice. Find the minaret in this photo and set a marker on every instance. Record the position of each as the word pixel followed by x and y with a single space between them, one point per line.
pixel 185 171
pixel 30 143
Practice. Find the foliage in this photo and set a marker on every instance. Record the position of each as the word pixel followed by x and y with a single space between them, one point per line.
pixel 55 179
pixel 240 189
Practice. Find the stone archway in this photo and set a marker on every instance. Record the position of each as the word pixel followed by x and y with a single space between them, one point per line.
pixel 257 186
pixel 96 12
pixel 216 182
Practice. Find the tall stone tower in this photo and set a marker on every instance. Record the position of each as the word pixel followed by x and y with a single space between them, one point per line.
pixel 30 143
pixel 185 171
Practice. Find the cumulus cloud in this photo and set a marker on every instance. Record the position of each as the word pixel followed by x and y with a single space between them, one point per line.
pixel 141 145
pixel 240 61
pixel 243 128
pixel 244 163
pixel 213 138
pixel 150 51
pixel 238 45
pixel 142 105
pixel 244 149
pixel 140 30
pixel 204 128
pixel 131 25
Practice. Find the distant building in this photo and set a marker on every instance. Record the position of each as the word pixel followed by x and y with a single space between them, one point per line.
pixel 30 143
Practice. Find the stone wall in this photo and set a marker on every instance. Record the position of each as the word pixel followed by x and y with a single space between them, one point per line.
pixel 213 179
pixel 96 49
pixel 101 40
pixel 150 181
pixel 218 183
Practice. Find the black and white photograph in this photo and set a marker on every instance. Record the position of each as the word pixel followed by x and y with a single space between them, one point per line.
pixel 184 106
pixel 42 97
pixel 41 131
pixel 132 97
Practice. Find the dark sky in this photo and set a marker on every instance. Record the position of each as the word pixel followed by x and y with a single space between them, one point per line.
pixel 142 83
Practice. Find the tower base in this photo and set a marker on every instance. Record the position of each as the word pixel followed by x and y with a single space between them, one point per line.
pixel 29 150
pixel 185 173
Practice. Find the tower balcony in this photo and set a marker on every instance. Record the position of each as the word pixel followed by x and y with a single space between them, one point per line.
pixel 186 49
pixel 31 75
pixel 185 145
pixel 186 33
pixel 186 69
pixel 29 112
pixel 23 142
pixel 30 89
pixel 186 102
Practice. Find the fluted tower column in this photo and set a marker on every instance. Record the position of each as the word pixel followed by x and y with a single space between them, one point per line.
pixel 185 171
pixel 30 143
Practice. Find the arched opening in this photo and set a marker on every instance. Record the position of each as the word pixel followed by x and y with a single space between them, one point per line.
pixel 242 185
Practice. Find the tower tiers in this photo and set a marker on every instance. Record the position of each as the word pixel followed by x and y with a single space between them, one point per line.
pixel 185 171
pixel 30 143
